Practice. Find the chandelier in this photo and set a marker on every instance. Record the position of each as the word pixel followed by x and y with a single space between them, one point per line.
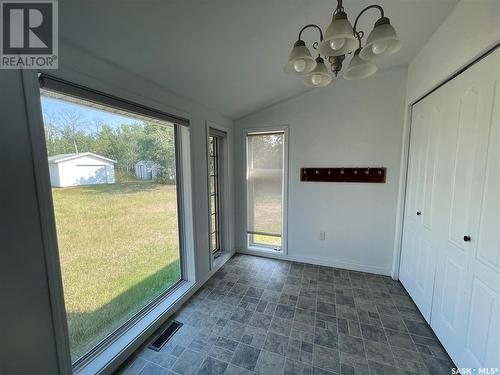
pixel 342 38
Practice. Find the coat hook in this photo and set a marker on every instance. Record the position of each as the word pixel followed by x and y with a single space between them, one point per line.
pixel 379 171
pixel 342 171
pixel 367 171
pixel 329 171
pixel 317 172
pixel 355 171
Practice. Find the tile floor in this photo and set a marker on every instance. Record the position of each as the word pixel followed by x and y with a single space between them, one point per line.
pixel 265 316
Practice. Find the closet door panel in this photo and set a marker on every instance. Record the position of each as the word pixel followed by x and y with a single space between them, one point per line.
pixel 436 114
pixel 482 331
pixel 488 250
pixel 414 185
pixel 483 319
pixel 407 269
pixel 469 142
pixel 417 273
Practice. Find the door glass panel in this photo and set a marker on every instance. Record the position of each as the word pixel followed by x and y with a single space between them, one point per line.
pixel 265 169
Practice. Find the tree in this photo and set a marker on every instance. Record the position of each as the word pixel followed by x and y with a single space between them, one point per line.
pixel 73 121
pixel 70 131
pixel 158 144
pixel 103 141
pixel 125 146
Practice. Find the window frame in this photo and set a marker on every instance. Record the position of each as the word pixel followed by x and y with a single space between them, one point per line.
pixel 248 238
pixel 216 147
pixel 225 175
pixel 112 350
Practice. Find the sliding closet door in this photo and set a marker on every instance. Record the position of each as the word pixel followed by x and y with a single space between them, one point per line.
pixel 418 255
pixel 465 312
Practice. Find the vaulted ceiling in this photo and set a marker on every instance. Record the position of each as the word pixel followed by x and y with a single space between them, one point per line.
pixel 227 54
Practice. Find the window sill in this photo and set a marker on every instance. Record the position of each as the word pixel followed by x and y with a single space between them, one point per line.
pixel 222 259
pixel 108 359
pixel 264 249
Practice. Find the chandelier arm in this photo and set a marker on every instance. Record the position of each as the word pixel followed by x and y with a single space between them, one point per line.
pixel 359 35
pixel 374 6
pixel 312 25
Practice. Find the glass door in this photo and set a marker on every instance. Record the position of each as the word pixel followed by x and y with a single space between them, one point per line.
pixel 265 189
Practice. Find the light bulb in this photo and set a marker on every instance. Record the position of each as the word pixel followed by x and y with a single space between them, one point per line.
pixel 337 43
pixel 316 79
pixel 299 65
pixel 379 48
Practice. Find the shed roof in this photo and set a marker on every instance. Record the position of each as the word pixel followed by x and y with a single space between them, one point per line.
pixel 65 157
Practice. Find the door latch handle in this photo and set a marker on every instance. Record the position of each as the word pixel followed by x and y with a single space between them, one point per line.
pixel 419 213
pixel 467 238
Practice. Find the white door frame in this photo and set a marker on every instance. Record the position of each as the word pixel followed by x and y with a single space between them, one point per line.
pixel 284 236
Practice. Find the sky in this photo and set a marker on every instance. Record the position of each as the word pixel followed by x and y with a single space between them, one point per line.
pixel 88 114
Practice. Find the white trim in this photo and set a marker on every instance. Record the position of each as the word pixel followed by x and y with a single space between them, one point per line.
pixel 185 198
pixel 400 207
pixel 318 261
pixel 227 196
pixel 47 219
pixel 263 248
pixel 286 162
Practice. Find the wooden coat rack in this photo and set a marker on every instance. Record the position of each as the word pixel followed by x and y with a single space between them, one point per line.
pixel 366 174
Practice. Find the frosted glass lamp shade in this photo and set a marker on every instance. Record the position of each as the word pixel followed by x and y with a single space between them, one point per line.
pixel 359 68
pixel 339 37
pixel 319 76
pixel 381 42
pixel 300 60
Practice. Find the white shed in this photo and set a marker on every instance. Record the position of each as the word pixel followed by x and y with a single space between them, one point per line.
pixel 83 168
pixel 146 170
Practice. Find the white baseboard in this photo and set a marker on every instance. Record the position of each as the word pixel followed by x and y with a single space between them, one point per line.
pixel 320 262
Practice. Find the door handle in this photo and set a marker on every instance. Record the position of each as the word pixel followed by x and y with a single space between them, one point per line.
pixel 467 238
pixel 419 213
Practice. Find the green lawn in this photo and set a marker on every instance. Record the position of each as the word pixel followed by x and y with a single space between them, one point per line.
pixel 267 213
pixel 118 246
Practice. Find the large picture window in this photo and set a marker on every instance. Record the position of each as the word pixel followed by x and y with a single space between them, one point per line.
pixel 265 189
pixel 115 194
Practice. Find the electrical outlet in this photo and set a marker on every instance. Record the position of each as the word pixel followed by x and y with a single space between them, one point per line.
pixel 322 236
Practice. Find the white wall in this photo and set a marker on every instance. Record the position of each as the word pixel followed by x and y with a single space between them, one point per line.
pixel 348 124
pixel 27 344
pixel 471 28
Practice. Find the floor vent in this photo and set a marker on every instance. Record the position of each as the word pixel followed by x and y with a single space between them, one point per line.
pixel 165 336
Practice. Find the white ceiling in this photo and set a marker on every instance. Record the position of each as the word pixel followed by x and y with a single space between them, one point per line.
pixel 227 54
